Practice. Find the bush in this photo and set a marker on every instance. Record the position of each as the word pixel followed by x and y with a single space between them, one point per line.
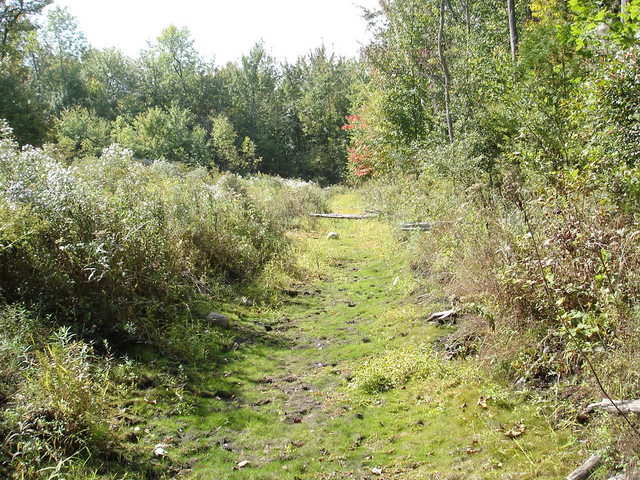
pixel 55 404
pixel 60 410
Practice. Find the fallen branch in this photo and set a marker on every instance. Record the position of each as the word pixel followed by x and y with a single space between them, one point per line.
pixel 615 406
pixel 440 317
pixel 346 216
pixel 584 471
pixel 627 476
pixel 421 226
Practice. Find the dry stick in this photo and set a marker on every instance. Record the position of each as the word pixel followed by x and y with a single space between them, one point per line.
pixel 572 336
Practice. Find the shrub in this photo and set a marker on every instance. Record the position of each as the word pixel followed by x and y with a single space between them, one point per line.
pixel 57 408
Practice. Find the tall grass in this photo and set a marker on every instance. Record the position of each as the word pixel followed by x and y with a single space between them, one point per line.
pixel 108 242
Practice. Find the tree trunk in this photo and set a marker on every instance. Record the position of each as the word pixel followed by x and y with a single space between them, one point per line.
pixel 513 29
pixel 624 7
pixel 445 71
pixel 467 19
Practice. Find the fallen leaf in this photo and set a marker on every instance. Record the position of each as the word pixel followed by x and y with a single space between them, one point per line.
pixel 471 451
pixel 517 431
pixel 242 464
pixel 482 402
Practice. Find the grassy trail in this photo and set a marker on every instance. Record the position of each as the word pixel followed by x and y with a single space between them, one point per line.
pixel 293 411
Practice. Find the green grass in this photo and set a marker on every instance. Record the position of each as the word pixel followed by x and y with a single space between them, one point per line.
pixel 299 410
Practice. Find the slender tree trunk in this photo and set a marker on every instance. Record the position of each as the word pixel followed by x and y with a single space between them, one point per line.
pixel 445 71
pixel 513 29
pixel 624 6
pixel 467 19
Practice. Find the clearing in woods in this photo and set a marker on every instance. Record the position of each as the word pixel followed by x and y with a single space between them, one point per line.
pixel 345 384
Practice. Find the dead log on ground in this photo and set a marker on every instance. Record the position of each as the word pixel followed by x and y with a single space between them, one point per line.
pixel 627 476
pixel 584 471
pixel 412 227
pixel 615 406
pixel 345 216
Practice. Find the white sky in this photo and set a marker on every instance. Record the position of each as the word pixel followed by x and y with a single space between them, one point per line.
pixel 225 29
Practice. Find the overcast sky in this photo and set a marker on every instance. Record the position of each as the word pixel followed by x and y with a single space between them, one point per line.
pixel 225 29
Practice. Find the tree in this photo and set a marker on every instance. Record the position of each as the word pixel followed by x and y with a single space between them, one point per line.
pixel 446 74
pixel 322 107
pixel 19 103
pixel 20 106
pixel 81 133
pixel 227 155
pixel 171 134
pixel 255 108
pixel 15 24
pixel 171 72
pixel 56 61
pixel 513 29
pixel 112 83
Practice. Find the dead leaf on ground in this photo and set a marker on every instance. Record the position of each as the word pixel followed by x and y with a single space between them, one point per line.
pixel 517 431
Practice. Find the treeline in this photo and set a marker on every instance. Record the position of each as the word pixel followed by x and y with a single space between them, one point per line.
pixel 515 127
pixel 255 115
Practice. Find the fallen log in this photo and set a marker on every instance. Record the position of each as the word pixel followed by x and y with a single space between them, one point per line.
pixel 584 471
pixel 627 476
pixel 421 226
pixel 615 406
pixel 346 216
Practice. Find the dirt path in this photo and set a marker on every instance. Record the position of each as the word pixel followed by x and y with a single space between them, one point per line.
pixel 345 384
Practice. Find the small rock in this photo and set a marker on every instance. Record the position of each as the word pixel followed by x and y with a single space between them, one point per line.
pixel 332 236
pixel 376 471
pixel 247 301
pixel 218 320
pixel 242 464
pixel 159 450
